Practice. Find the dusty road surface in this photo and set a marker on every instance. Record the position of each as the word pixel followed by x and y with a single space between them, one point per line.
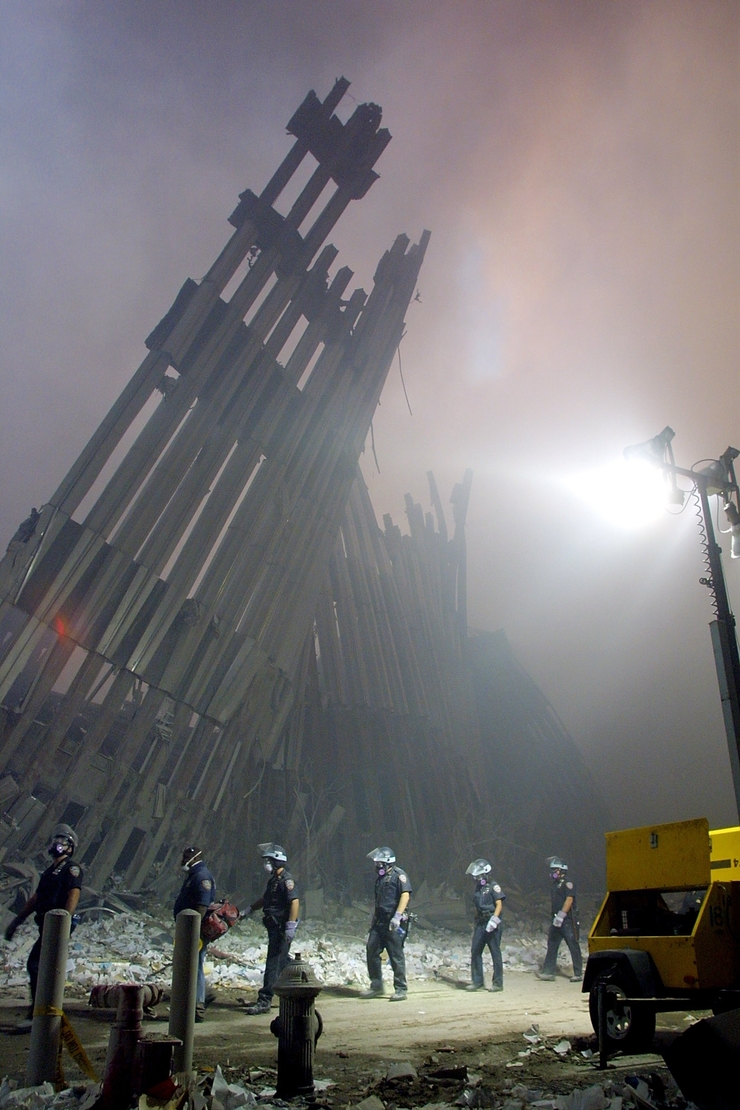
pixel 438 1025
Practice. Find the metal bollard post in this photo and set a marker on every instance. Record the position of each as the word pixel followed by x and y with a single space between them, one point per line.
pixel 47 1010
pixel 298 1028
pixel 122 1044
pixel 184 986
pixel 601 1022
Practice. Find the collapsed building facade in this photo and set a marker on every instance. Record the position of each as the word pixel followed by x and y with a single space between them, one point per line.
pixel 204 633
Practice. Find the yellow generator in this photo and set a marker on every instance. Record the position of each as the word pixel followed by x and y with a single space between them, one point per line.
pixel 667 936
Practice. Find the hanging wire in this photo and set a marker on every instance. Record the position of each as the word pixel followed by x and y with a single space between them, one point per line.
pixel 709 581
pixel 372 444
pixel 403 383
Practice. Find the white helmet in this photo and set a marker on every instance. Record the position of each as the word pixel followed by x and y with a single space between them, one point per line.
pixel 273 851
pixel 382 855
pixel 555 863
pixel 479 867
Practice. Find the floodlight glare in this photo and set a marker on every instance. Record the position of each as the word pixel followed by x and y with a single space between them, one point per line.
pixel 626 495
pixel 715 478
pixel 658 452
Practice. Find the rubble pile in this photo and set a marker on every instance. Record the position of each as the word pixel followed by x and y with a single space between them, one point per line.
pixel 133 946
pixel 401 1085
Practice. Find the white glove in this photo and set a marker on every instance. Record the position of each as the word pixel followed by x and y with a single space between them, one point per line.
pixel 246 912
pixel 493 923
pixel 559 918
pixel 290 928
pixel 395 922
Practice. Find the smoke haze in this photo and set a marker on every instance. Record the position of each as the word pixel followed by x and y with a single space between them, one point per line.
pixel 577 164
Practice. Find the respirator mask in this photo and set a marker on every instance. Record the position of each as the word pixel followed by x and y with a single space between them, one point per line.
pixel 59 847
pixel 268 867
pixel 381 869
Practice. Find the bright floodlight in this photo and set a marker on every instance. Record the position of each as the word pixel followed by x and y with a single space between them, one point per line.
pixel 626 493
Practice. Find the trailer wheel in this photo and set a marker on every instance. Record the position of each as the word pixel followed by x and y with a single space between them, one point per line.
pixel 628 1029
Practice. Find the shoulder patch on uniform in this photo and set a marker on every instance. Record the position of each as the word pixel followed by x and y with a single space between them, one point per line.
pixel 289 884
pixel 497 888
pixel 206 884
pixel 569 886
pixel 74 871
pixel 402 877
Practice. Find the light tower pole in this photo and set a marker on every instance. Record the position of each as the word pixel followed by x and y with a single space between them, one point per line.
pixel 716 478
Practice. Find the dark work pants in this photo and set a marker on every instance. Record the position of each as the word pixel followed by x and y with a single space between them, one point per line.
pixel 32 964
pixel 567 933
pixel 480 939
pixel 381 937
pixel 277 957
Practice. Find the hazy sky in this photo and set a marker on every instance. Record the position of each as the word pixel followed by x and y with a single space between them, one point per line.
pixel 577 164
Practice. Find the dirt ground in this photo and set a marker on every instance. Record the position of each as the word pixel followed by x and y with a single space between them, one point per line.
pixel 438 1026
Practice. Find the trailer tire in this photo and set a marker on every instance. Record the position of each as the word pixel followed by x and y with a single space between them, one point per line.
pixel 628 1029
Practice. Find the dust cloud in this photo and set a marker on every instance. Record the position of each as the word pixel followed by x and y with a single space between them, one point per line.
pixel 577 164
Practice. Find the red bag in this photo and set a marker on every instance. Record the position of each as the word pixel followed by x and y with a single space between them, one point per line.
pixel 219 918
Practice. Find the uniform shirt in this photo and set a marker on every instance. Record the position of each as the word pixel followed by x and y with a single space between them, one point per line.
pixel 561 889
pixel 388 891
pixel 279 893
pixel 199 889
pixel 485 899
pixel 54 886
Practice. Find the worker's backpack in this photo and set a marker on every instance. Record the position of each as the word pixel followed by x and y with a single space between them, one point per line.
pixel 219 918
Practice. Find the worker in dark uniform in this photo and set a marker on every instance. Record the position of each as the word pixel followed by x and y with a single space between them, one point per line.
pixel 280 906
pixel 59 889
pixel 196 893
pixel 564 923
pixel 488 900
pixel 390 925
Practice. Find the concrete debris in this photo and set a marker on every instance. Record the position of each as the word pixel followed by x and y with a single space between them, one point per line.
pixel 230 1095
pixel 401 1070
pixel 590 1098
pixel 13 1097
pixel 563 1048
pixel 372 1102
pixel 132 946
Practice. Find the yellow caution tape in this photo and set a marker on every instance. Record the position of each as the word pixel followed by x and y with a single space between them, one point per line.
pixel 72 1042
pixel 76 1051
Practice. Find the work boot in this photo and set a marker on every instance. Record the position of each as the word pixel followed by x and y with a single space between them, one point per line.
pixel 496 987
pixel 545 976
pixel 474 987
pixel 210 998
pixel 398 996
pixel 200 1012
pixel 258 1007
pixel 576 978
pixel 373 992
